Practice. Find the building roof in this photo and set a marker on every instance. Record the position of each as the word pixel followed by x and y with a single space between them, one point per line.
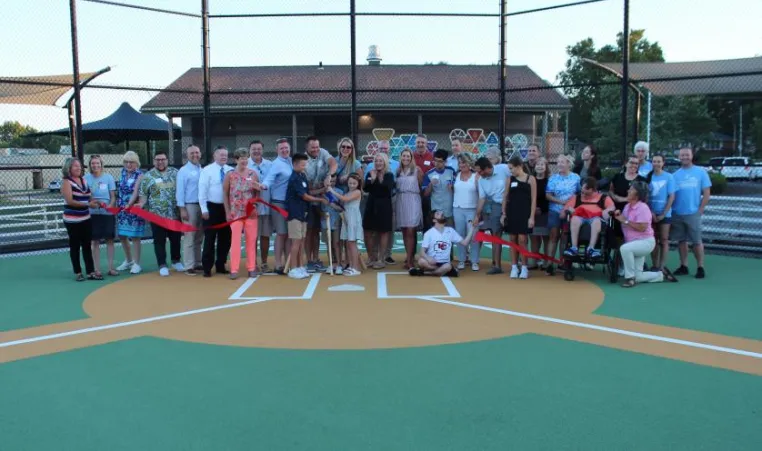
pixel 711 77
pixel 526 90
pixel 124 124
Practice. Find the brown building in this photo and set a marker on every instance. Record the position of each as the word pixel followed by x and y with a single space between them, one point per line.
pixel 435 101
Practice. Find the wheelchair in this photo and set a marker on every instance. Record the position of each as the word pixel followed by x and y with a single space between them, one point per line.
pixel 608 245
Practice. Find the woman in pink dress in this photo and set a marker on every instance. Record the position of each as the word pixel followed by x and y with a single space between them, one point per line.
pixel 240 185
pixel 408 208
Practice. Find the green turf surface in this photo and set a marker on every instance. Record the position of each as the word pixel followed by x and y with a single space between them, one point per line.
pixel 525 393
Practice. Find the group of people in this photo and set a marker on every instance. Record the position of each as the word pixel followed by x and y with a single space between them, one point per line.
pixel 449 196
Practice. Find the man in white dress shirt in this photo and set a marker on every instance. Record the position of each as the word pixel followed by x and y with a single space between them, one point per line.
pixel 213 213
pixel 190 212
pixel 265 226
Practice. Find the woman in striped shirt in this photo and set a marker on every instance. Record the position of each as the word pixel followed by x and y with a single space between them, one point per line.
pixel 76 217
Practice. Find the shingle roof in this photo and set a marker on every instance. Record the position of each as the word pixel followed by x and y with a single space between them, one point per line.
pixel 533 92
pixel 713 77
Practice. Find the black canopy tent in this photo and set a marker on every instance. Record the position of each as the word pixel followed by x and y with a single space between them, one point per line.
pixel 123 125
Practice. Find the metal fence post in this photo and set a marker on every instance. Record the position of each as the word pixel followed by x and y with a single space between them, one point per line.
pixel 501 125
pixel 353 69
pixel 77 144
pixel 207 97
pixel 625 75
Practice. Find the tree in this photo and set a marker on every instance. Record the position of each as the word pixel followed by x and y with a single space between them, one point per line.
pixel 587 81
pixel 12 135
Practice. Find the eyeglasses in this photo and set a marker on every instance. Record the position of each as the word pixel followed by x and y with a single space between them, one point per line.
pixel 347 147
pixel 159 159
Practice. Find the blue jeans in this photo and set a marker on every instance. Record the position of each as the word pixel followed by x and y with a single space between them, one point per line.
pixel 461 216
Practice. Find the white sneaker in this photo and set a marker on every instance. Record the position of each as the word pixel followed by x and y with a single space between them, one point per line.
pixel 164 271
pixel 136 269
pixel 524 274
pixel 296 273
pixel 474 266
pixel 461 266
pixel 514 272
pixel 339 271
pixel 179 267
pixel 351 272
pixel 124 266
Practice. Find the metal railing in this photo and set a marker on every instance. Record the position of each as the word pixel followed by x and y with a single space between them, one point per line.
pixel 730 224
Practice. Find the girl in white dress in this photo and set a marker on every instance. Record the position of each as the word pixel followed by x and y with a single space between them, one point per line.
pixel 351 226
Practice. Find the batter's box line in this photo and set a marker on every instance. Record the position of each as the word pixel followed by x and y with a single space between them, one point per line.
pixel 306 296
pixel 383 293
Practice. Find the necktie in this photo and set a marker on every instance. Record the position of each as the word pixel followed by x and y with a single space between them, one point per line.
pixel 222 174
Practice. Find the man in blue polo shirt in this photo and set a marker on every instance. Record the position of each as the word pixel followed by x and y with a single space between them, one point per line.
pixel 276 181
pixel 691 197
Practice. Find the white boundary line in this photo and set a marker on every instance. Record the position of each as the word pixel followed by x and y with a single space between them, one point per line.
pixel 130 323
pixel 612 330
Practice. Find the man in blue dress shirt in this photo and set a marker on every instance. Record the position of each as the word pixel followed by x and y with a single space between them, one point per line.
pixel 276 182
pixel 190 212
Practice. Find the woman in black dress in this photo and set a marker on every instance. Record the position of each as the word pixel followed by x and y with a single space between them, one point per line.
pixel 377 220
pixel 519 205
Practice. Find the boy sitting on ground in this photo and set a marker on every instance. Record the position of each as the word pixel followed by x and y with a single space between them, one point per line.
pixel 588 207
pixel 434 256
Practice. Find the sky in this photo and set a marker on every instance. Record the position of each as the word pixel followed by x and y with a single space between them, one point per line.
pixel 150 49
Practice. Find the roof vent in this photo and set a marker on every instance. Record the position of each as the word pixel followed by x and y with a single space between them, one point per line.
pixel 374 56
pixel 320 66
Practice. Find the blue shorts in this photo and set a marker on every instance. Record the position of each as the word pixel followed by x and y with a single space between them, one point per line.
pixel 554 220
pixel 589 221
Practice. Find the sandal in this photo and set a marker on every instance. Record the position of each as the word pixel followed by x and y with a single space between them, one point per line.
pixel 95 276
pixel 80 278
pixel 629 283
pixel 668 275
pixel 113 272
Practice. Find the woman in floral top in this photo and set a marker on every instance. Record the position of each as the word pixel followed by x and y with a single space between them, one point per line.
pixel 239 186
pixel 129 227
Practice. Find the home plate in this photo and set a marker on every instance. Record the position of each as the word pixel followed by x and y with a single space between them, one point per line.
pixel 346 287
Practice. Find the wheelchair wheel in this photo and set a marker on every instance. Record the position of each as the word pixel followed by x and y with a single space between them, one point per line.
pixel 569 275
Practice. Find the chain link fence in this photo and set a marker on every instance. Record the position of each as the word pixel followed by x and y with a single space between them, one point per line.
pixel 278 72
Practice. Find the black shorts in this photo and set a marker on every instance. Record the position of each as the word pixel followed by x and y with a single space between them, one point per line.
pixel 315 217
pixel 103 227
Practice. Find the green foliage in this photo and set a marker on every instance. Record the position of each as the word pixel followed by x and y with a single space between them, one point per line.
pixel 678 120
pixel 719 183
pixel 12 135
pixel 587 97
pixel 609 173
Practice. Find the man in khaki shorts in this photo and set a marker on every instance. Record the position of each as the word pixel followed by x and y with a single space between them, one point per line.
pixel 297 204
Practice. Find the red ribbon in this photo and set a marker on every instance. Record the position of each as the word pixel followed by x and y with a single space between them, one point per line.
pixel 179 226
pixel 484 237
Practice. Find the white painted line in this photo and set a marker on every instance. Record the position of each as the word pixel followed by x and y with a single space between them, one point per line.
pixel 612 330
pixel 130 323
pixel 239 292
pixel 383 293
pixel 451 290
pixel 307 295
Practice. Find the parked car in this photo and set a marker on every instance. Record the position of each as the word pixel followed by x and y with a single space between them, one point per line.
pixel 54 186
pixel 740 168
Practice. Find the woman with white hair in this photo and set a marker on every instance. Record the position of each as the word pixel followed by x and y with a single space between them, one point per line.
pixel 130 228
pixel 639 240
pixel 560 188
pixel 641 151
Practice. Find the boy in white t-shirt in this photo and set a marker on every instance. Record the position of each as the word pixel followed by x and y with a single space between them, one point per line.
pixel 434 256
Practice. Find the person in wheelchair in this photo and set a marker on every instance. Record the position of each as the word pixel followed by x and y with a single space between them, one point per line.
pixel 589 207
